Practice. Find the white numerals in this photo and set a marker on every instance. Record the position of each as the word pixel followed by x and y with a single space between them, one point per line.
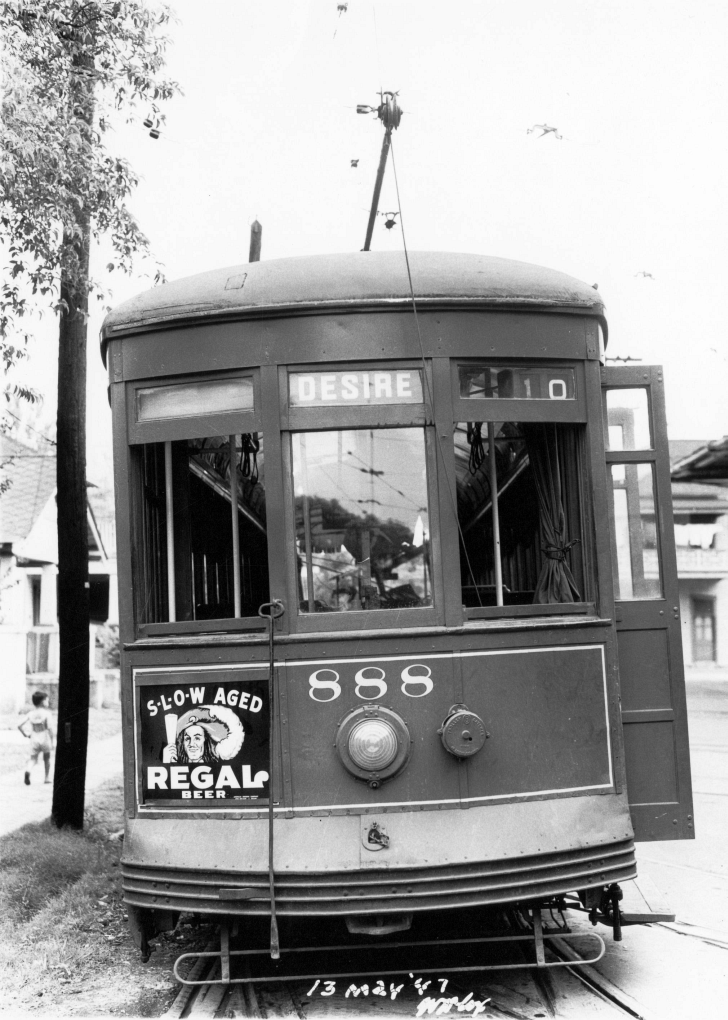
pixel 365 681
pixel 370 683
pixel 422 680
pixel 324 685
pixel 557 389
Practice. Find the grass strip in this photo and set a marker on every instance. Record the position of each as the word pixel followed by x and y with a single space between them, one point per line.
pixel 65 947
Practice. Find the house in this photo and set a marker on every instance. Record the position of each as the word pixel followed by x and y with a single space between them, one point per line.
pixel 29 568
pixel 699 472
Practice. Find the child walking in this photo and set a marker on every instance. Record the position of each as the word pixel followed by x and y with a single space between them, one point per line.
pixel 41 735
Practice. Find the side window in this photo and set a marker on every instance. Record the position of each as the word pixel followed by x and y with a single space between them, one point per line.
pixel 200 549
pixel 519 513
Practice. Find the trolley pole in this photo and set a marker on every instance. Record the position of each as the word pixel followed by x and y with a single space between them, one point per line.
pixel 256 239
pixel 390 115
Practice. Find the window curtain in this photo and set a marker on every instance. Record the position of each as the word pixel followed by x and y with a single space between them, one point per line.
pixel 555 582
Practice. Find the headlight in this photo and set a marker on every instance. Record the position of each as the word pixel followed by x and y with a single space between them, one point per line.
pixel 373 743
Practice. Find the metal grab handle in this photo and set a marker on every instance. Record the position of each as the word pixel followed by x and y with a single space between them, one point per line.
pixel 276 604
pixel 276 609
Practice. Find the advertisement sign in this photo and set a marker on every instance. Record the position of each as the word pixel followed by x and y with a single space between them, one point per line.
pixel 203 738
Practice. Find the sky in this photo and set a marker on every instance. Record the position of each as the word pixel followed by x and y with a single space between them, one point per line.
pixel 267 128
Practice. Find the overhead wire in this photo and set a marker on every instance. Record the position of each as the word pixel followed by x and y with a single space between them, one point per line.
pixel 428 389
pixel 26 426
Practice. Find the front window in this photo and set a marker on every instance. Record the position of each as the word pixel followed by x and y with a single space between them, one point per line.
pixel 362 521
pixel 203 552
pixel 519 513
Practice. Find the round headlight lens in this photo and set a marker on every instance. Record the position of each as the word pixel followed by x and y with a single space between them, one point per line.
pixel 373 744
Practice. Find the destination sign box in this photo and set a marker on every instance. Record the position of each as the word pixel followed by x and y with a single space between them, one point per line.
pixel 334 389
pixel 523 382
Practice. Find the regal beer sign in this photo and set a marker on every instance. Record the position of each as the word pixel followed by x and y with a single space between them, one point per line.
pixel 203 736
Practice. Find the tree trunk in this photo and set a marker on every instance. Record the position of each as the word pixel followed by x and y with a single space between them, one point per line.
pixel 73 585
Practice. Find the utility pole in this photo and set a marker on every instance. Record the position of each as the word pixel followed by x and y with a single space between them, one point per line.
pixel 73 585
pixel 390 115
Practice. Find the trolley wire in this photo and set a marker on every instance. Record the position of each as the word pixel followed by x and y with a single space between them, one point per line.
pixel 428 388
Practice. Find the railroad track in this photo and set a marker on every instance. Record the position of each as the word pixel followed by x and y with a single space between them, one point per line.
pixel 570 991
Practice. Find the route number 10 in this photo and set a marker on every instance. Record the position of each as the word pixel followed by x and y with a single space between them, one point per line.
pixel 370 678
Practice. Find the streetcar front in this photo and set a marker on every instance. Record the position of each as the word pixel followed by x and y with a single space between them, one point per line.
pixel 368 558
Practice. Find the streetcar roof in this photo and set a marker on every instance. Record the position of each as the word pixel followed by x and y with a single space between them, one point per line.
pixel 352 281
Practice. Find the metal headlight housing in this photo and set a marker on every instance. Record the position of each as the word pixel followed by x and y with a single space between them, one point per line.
pixel 373 743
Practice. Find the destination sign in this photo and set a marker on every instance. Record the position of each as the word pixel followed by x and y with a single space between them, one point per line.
pixel 523 382
pixel 332 389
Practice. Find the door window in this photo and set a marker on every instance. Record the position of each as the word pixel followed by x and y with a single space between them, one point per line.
pixel 636 555
pixel 635 532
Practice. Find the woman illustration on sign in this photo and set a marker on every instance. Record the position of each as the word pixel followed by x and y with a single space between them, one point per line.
pixel 203 736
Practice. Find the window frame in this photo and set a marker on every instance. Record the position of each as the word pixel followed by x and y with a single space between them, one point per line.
pixel 636 458
pixel 299 420
pixel 198 426
pixel 174 429
pixel 535 411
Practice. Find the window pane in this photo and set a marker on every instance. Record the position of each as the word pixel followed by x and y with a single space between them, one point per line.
pixel 362 524
pixel 540 550
pixel 637 563
pixel 516 382
pixel 628 420
pixel 204 562
pixel 150 582
pixel 190 400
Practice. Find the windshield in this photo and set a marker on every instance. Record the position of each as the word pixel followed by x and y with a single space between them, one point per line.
pixel 362 523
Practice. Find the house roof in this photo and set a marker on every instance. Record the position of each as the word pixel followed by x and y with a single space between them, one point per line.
pixel 32 477
pixel 682 448
pixel 707 463
pixel 333 283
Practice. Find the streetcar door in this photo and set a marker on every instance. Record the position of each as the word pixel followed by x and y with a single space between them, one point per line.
pixel 647 607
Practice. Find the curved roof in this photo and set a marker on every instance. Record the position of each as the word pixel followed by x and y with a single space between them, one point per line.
pixel 352 280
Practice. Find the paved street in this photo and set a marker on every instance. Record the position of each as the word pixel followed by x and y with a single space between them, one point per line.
pixel 22 804
pixel 674 975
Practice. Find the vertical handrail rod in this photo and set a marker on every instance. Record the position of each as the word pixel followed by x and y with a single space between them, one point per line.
pixel 496 519
pixel 169 508
pixel 237 609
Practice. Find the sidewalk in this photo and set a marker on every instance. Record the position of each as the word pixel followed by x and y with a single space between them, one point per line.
pixel 22 804
pixel 706 672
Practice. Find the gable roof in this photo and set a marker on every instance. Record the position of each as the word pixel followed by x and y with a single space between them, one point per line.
pixel 32 477
pixel 707 463
pixel 682 448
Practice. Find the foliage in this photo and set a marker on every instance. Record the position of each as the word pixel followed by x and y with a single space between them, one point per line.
pixel 70 68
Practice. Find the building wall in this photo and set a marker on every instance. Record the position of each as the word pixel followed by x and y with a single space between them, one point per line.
pixel 713 589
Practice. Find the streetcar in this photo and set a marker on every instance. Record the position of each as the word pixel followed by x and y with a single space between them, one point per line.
pixel 398 595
